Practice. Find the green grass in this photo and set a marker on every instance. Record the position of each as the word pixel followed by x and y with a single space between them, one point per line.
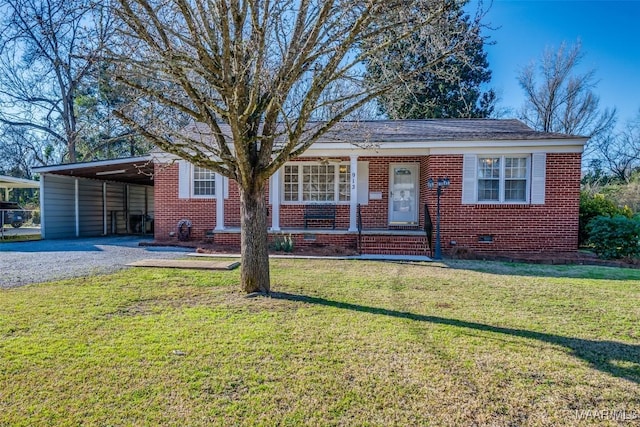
pixel 339 343
pixel 19 238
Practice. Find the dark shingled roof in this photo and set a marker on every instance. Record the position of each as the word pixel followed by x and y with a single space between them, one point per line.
pixel 428 130
pixel 436 130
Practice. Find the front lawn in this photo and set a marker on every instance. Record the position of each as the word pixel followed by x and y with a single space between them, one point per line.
pixel 339 343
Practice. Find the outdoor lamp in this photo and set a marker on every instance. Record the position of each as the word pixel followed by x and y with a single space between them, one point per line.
pixel 440 184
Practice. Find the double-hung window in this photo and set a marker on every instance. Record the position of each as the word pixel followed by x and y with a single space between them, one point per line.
pixel 204 182
pixel 503 179
pixel 310 182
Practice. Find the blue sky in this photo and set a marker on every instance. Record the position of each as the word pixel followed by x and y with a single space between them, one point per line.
pixel 610 36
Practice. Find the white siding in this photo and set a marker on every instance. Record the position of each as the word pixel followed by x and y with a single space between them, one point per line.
pixel 137 200
pixel 58 207
pixel 116 208
pixel 90 208
pixel 138 207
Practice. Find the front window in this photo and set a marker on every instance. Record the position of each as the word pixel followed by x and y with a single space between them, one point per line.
pixel 316 182
pixel 503 179
pixel 291 183
pixel 204 182
pixel 515 179
pixel 489 179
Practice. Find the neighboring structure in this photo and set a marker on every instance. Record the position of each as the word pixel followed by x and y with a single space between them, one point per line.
pixel 512 189
pixel 8 183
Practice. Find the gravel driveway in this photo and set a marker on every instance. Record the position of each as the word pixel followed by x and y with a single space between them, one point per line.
pixel 46 260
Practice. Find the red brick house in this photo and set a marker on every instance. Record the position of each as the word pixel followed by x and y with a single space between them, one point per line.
pixel 511 189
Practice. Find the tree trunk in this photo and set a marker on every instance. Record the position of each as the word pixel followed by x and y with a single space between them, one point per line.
pixel 254 271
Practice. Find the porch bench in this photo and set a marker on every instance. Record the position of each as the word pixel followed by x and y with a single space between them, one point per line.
pixel 320 211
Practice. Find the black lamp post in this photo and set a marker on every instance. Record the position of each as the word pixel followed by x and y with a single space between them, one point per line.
pixel 440 184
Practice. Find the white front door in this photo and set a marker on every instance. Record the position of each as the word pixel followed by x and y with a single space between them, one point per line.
pixel 403 193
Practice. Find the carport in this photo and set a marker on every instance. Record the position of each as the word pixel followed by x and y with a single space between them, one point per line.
pixel 8 183
pixel 101 198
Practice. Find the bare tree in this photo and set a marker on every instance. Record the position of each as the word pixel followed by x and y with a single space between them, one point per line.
pixel 619 153
pixel 235 85
pixel 558 99
pixel 20 151
pixel 47 49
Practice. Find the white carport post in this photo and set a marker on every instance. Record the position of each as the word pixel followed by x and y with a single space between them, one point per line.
pixel 353 212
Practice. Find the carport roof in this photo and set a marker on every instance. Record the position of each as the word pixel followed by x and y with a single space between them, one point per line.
pixel 132 170
pixel 11 182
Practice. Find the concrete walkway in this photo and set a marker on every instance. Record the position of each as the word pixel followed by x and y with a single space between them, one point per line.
pixel 186 264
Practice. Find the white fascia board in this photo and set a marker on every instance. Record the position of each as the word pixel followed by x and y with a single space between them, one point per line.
pixel 368 152
pixel 112 162
pixel 164 157
pixel 168 158
pixel 509 150
pixel 423 148
pixel 573 145
pixel 445 147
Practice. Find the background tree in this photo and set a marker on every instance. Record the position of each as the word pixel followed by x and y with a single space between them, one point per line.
pixel 618 153
pixel 234 85
pixel 559 99
pixel 451 88
pixel 48 48
pixel 104 136
pixel 21 149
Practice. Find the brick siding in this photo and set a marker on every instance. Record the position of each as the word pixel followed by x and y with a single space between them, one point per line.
pixel 169 209
pixel 526 228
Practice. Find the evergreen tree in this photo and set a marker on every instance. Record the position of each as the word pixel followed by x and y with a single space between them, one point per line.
pixel 453 88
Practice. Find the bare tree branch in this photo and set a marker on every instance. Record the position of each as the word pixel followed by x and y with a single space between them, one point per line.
pixel 48 49
pixel 235 85
pixel 563 101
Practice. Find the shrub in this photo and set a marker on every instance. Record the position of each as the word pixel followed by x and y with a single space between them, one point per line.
pixel 283 243
pixel 615 237
pixel 36 217
pixel 592 207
